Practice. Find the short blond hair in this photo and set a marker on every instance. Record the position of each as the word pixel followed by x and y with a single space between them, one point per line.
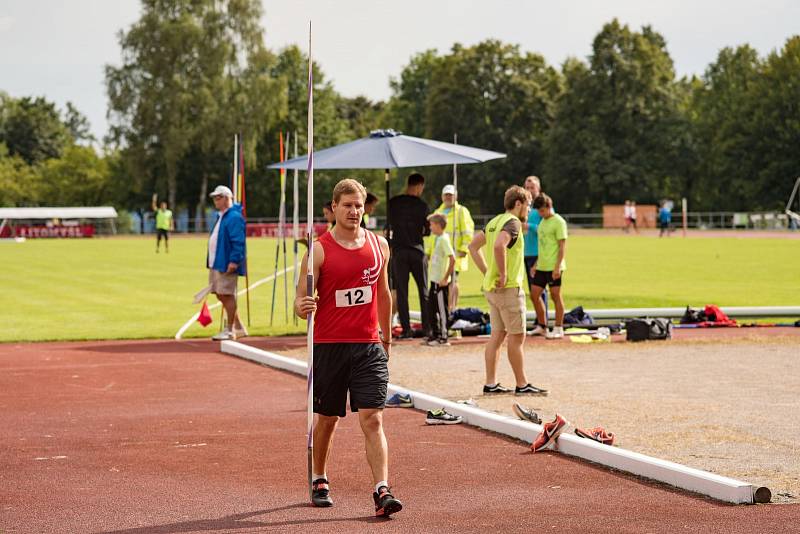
pixel 513 194
pixel 348 186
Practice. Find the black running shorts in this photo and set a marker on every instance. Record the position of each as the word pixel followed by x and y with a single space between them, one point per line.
pixel 530 261
pixel 545 278
pixel 360 368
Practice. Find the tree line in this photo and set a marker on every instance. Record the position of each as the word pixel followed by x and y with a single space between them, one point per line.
pixel 619 124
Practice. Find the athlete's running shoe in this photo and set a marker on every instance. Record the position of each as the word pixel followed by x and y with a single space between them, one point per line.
pixel 495 389
pixel 385 503
pixel 556 333
pixel 437 343
pixel 321 493
pixel 224 335
pixel 537 330
pixel 441 417
pixel 549 434
pixel 530 390
pixel 526 414
pixel 598 434
pixel 400 400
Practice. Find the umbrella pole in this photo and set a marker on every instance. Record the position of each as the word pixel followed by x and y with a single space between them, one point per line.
pixel 388 222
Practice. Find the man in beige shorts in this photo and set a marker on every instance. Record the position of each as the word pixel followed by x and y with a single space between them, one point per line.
pixel 503 271
pixel 227 259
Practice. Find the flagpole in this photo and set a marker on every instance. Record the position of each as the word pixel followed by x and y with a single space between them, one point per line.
pixel 296 223
pixel 310 265
pixel 244 215
pixel 280 234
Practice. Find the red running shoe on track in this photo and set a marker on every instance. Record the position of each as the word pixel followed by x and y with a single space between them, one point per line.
pixel 549 434
pixel 598 434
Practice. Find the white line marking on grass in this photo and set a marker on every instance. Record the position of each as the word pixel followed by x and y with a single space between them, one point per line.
pixel 241 292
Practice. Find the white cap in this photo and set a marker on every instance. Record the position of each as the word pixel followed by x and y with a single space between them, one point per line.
pixel 449 189
pixel 221 191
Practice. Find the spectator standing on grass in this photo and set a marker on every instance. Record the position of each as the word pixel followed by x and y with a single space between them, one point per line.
pixel 664 219
pixel 227 252
pixel 461 225
pixel 503 269
pixel 408 216
pixel 530 227
pixel 633 216
pixel 552 262
pixel 627 215
pixel 442 266
pixel 164 223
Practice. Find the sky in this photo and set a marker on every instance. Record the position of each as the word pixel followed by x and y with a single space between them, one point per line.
pixel 58 49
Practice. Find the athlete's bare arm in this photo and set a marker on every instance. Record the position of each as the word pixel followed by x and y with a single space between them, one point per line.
pixel 475 251
pixel 385 299
pixel 303 305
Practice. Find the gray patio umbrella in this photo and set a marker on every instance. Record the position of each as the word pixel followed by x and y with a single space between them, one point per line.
pixel 387 149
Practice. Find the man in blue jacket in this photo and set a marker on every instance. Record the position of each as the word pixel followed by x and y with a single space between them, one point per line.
pixel 227 258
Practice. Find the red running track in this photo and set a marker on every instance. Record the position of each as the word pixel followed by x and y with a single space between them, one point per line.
pixel 168 437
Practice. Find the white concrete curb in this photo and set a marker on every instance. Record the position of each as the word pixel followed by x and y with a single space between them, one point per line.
pixel 718 487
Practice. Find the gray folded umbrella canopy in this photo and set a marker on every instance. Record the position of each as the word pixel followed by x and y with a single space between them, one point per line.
pixel 387 149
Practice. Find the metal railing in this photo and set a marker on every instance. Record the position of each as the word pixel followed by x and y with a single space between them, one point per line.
pixel 701 220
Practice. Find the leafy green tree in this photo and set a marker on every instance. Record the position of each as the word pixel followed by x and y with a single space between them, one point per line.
pixel 625 110
pixel 407 109
pixel 776 132
pixel 19 182
pixel 194 73
pixel 495 97
pixel 32 129
pixel 79 178
pixel 723 107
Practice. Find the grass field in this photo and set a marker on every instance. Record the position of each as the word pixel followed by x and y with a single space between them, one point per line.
pixel 118 288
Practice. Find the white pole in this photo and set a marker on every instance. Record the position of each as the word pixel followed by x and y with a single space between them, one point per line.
pixel 455 225
pixel 296 222
pixel 310 266
pixel 684 214
pixel 282 222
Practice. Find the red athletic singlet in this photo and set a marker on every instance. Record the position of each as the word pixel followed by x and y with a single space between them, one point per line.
pixel 347 310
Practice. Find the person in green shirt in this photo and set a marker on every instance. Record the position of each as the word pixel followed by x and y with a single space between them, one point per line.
pixel 503 278
pixel 164 224
pixel 552 263
pixel 440 269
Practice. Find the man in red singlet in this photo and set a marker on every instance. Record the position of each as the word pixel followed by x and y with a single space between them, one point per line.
pixel 350 353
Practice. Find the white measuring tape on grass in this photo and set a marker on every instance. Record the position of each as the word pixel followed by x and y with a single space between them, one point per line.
pixel 254 285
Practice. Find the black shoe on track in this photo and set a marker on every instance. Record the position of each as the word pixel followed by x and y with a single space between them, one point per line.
pixel 385 503
pixel 320 493
pixel 531 390
pixel 495 389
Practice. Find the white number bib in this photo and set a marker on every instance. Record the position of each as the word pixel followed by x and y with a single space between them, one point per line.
pixel 355 296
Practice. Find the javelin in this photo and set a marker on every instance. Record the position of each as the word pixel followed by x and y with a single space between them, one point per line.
pixel 310 265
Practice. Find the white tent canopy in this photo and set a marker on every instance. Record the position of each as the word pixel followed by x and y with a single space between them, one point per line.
pixel 103 212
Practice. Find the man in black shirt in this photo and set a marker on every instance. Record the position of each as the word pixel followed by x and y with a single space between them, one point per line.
pixel 408 219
